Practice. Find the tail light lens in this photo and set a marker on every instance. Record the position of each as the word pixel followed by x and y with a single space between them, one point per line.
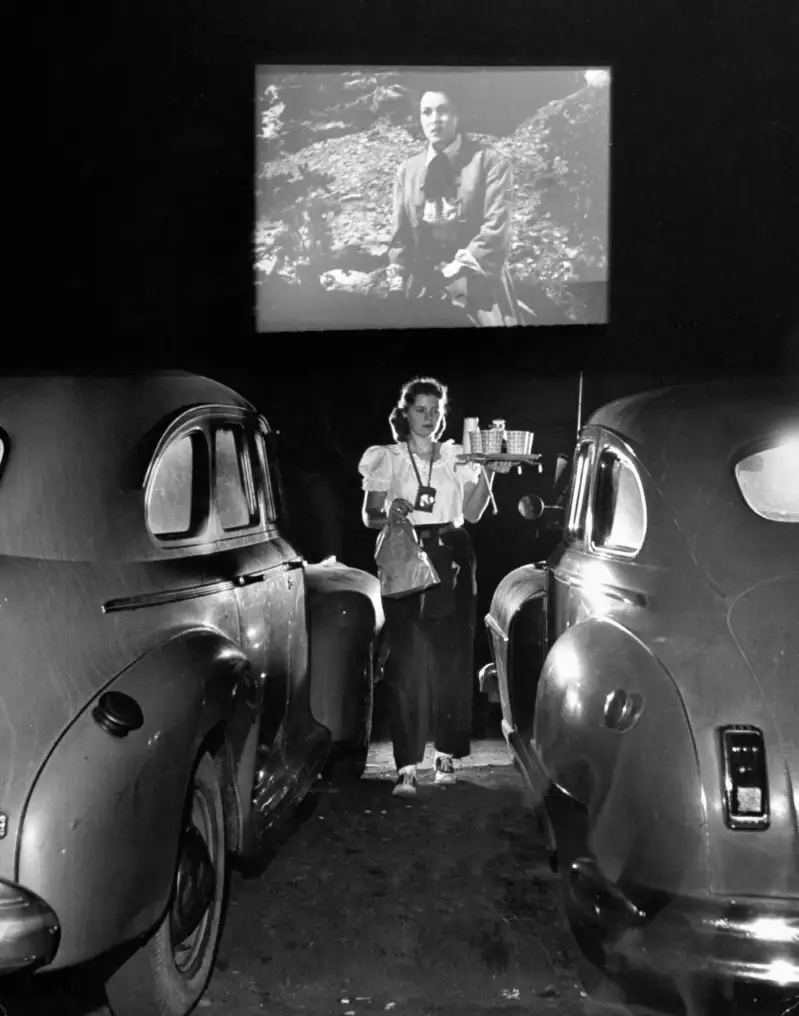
pixel 29 930
pixel 746 799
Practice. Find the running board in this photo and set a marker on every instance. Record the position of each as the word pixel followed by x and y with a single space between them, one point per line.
pixel 287 782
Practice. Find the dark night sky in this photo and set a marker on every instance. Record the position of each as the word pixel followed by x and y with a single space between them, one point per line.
pixel 133 208
pixel 136 177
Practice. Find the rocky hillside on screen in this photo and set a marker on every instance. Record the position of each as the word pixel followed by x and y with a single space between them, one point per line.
pixel 329 144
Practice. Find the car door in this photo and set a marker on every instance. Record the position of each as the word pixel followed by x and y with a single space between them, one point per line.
pixel 268 573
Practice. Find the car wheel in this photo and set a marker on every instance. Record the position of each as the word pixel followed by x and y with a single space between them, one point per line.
pixel 347 762
pixel 169 973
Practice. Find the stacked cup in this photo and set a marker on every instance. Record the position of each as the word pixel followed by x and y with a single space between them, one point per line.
pixel 476 442
pixel 491 441
pixel 519 442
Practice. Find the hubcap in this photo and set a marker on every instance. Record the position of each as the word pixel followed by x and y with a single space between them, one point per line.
pixel 195 888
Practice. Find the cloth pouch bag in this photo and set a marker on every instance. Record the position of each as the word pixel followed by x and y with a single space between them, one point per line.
pixel 402 566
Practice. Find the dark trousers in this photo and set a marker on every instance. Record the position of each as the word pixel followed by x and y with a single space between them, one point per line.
pixel 429 673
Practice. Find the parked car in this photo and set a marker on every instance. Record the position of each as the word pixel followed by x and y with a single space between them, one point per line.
pixel 174 675
pixel 648 674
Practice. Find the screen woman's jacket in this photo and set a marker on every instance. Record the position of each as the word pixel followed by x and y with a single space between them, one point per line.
pixel 475 225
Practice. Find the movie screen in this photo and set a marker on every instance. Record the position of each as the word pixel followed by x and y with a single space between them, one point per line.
pixel 413 198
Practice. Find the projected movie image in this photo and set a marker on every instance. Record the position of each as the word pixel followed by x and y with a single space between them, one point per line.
pixel 417 198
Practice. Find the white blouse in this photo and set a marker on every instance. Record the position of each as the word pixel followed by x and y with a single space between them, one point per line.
pixel 388 468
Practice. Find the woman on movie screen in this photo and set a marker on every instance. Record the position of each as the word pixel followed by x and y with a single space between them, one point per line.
pixel 452 219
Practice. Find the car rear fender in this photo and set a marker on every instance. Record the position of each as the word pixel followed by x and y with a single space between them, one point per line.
pixel 100 830
pixel 345 621
pixel 516 624
pixel 611 731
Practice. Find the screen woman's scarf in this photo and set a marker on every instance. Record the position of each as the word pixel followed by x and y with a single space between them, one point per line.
pixel 439 178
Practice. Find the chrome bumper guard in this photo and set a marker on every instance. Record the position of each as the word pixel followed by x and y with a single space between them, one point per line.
pixel 747 940
pixel 29 930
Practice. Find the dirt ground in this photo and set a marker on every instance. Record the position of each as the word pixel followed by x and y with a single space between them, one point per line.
pixel 442 906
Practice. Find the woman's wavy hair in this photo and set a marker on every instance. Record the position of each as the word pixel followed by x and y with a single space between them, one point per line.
pixel 398 419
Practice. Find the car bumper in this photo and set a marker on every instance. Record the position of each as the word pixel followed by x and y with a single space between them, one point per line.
pixel 29 930
pixel 745 941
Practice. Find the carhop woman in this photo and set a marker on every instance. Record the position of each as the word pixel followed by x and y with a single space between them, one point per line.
pixel 431 634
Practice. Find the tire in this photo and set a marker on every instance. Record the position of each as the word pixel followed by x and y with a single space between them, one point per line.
pixel 162 978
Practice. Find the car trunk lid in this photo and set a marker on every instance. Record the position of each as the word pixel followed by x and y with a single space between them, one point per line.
pixel 764 622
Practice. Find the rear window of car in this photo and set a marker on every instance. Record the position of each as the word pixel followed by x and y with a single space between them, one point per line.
pixel 235 494
pixel 769 481
pixel 619 506
pixel 170 497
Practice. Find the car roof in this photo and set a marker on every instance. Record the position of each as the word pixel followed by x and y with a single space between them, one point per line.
pixel 684 430
pixel 78 444
pixel 688 439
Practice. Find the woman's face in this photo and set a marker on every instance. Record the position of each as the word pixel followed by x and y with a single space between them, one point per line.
pixel 424 415
pixel 439 121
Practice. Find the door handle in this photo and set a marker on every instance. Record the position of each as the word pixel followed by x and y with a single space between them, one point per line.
pixel 250 578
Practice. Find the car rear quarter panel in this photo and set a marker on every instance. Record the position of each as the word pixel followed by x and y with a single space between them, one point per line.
pixel 59 651
pixel 100 830
pixel 641 788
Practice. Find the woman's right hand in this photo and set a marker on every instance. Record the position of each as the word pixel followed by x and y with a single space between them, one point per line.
pixel 399 509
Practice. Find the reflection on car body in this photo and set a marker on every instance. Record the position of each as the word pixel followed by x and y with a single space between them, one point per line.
pixel 648 674
pixel 174 675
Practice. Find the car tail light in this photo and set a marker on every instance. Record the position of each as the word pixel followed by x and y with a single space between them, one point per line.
pixel 29 930
pixel 746 802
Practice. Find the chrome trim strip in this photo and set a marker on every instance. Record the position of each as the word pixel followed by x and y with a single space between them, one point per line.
pixel 170 596
pixel 202 589
pixel 491 623
pixel 620 593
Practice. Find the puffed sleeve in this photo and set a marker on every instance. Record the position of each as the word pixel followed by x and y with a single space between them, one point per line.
pixel 375 468
pixel 465 472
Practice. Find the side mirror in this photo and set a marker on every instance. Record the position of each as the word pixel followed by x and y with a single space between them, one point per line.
pixel 531 507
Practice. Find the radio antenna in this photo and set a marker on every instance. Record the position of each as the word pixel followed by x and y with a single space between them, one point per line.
pixel 579 404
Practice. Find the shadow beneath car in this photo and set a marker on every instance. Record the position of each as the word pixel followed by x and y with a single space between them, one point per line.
pixel 61 993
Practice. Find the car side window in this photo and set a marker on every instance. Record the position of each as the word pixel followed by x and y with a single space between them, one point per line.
pixel 263 465
pixel 578 501
pixel 171 502
pixel 619 505
pixel 234 485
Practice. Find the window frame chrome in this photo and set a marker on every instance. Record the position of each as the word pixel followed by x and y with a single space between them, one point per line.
pixel 626 456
